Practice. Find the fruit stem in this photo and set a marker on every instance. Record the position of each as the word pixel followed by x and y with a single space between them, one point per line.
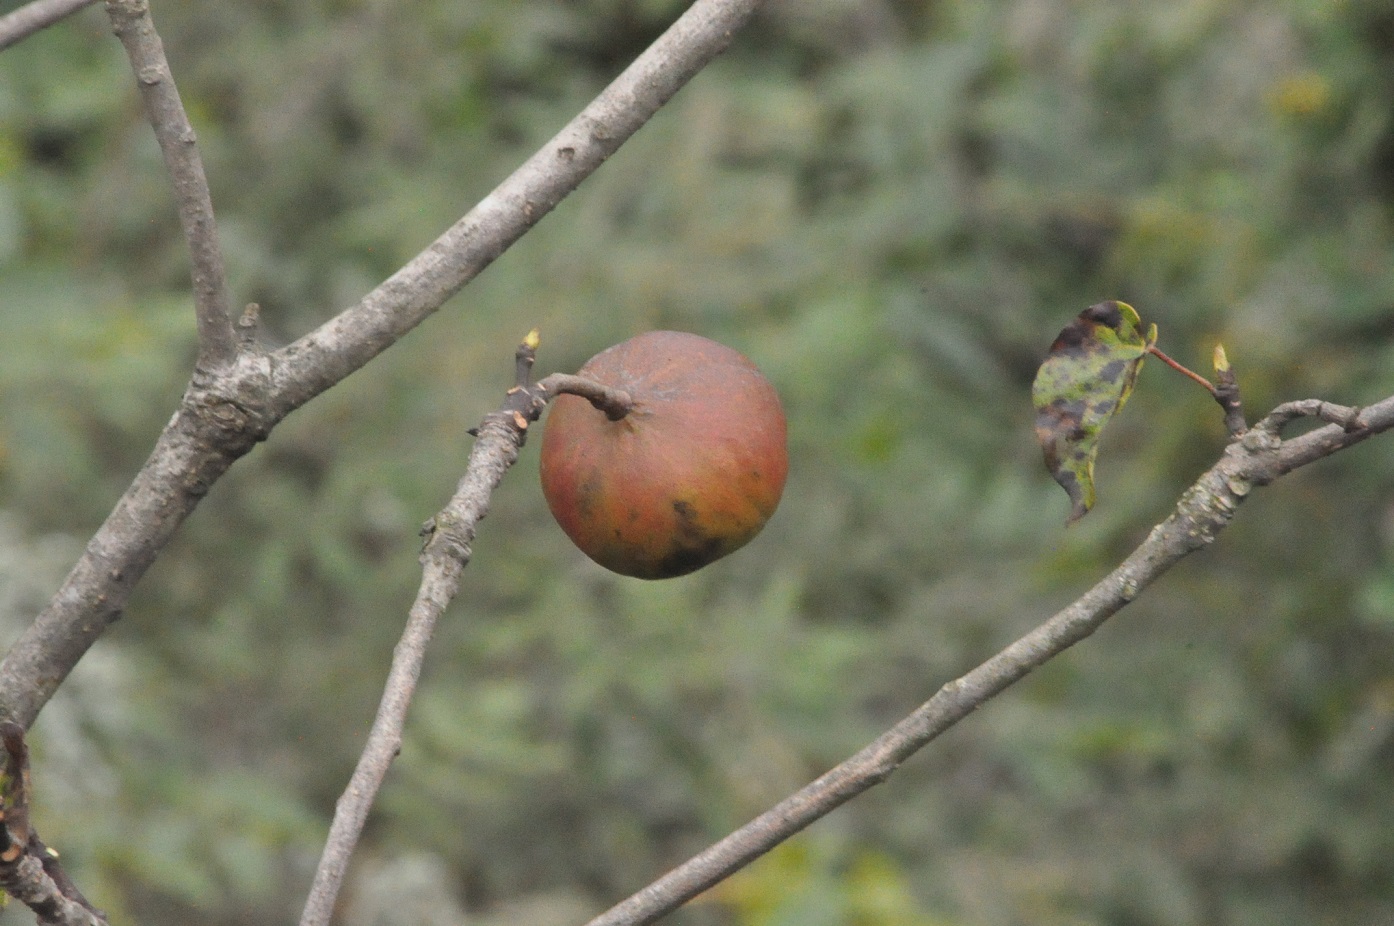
pixel 615 403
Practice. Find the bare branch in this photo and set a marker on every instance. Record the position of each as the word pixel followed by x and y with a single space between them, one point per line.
pixel 33 17
pixel 225 412
pixel 1349 418
pixel 131 21
pixel 26 881
pixel 214 425
pixel 346 342
pixel 439 583
pixel 1203 511
pixel 450 535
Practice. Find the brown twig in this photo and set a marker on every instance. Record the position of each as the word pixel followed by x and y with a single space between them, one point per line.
pixel 1155 351
pixel 34 17
pixel 1202 512
pixel 132 23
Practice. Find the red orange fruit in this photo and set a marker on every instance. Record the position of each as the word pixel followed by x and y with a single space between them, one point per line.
pixel 691 474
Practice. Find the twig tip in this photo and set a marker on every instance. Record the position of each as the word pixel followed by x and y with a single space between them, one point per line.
pixel 1221 360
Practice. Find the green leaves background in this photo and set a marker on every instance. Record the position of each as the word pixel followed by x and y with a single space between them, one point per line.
pixel 891 207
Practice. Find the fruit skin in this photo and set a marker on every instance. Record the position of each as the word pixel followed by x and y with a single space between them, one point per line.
pixel 691 474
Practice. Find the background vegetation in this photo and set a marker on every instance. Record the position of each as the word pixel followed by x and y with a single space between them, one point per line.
pixel 891 207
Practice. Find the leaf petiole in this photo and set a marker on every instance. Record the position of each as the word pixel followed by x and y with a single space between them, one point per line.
pixel 1185 371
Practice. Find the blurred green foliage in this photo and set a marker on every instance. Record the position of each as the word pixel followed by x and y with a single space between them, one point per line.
pixel 892 207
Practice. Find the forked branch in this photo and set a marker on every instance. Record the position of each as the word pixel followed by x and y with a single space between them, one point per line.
pixel 228 411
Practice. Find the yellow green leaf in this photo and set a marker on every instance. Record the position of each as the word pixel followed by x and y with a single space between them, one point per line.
pixel 1084 381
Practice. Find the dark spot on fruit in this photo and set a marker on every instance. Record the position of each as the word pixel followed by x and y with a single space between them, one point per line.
pixel 689 558
pixel 690 532
pixel 586 493
pixel 693 547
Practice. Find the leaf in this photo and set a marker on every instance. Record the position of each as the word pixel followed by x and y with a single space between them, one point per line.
pixel 1084 381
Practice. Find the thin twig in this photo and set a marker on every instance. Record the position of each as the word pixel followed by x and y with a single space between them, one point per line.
pixel 1155 351
pixel 1225 389
pixel 446 553
pixel 1203 511
pixel 33 17
pixel 438 586
pixel 450 537
pixel 133 25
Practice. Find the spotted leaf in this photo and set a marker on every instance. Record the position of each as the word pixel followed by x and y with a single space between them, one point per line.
pixel 1084 381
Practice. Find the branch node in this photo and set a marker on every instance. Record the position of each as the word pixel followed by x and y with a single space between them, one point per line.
pixel 1129 590
pixel 1350 420
pixel 1261 438
pixel 249 328
pixel 1226 393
